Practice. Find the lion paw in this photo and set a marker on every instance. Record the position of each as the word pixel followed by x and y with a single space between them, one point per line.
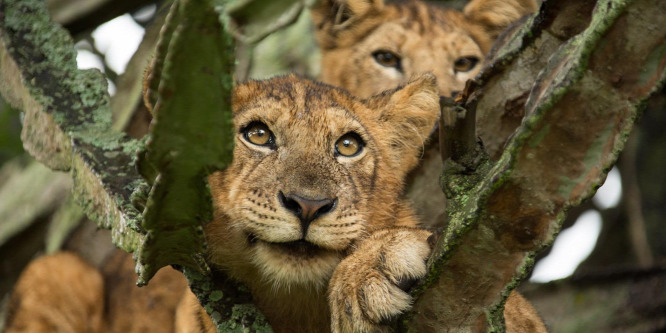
pixel 369 287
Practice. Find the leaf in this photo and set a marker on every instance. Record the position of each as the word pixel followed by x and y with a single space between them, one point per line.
pixel 191 135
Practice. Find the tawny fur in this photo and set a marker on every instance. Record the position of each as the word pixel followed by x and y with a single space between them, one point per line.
pixel 294 291
pixel 424 37
pixel 365 289
pixel 49 297
pixel 257 240
pixel 307 119
pixel 428 37
pixel 62 293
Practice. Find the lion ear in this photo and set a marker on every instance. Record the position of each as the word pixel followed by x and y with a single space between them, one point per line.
pixel 244 93
pixel 494 16
pixel 331 17
pixel 408 115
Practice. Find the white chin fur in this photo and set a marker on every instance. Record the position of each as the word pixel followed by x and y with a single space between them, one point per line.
pixel 284 270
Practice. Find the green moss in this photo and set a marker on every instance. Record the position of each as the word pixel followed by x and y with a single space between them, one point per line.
pixel 46 57
pixel 185 146
pixel 72 127
pixel 468 195
pixel 227 302
pixel 462 188
pixel 245 318
pixel 495 314
pixel 216 295
pixel 539 136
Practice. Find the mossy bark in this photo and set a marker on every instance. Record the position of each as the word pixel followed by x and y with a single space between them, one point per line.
pixel 66 116
pixel 67 126
pixel 578 114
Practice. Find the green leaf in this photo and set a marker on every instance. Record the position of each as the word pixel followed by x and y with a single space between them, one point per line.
pixel 191 135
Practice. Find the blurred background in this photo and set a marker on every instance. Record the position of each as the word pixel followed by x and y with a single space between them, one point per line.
pixel 609 257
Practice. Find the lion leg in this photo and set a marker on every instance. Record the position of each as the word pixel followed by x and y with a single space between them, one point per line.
pixel 368 288
pixel 57 293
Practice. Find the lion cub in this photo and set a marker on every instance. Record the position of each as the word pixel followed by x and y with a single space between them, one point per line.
pixel 368 46
pixel 316 176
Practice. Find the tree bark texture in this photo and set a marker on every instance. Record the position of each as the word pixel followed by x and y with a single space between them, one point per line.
pixel 621 300
pixel 66 116
pixel 578 114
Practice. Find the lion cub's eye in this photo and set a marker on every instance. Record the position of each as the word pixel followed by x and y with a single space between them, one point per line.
pixel 258 134
pixel 465 64
pixel 349 145
pixel 387 59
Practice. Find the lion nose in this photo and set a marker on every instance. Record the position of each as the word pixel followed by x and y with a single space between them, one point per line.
pixel 307 210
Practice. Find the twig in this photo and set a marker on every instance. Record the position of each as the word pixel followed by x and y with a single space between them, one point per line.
pixel 457 137
pixel 632 200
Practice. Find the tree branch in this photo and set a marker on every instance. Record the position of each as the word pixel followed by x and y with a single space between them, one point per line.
pixel 457 130
pixel 632 194
pixel 81 16
pixel 578 116
pixel 66 117
pixel 250 21
pixel 620 300
pixel 518 57
pixel 67 126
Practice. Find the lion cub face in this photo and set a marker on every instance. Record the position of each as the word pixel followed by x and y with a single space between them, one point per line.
pixel 369 46
pixel 314 170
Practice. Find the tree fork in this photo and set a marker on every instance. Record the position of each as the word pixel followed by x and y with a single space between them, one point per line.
pixel 578 116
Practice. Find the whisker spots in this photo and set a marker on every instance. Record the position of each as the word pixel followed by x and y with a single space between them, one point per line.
pixel 339 225
pixel 263 224
pixel 345 216
pixel 345 233
pixel 346 208
pixel 266 205
pixel 263 216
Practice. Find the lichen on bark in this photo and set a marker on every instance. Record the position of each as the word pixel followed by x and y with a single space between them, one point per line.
pixel 66 115
pixel 577 119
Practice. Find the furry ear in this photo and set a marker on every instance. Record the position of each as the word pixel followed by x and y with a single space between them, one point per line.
pixel 244 93
pixel 408 115
pixel 494 16
pixel 333 16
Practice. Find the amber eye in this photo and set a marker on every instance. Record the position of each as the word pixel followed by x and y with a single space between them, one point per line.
pixel 465 64
pixel 387 59
pixel 258 134
pixel 349 145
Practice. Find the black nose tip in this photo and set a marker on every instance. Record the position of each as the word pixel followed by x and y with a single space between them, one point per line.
pixel 307 210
